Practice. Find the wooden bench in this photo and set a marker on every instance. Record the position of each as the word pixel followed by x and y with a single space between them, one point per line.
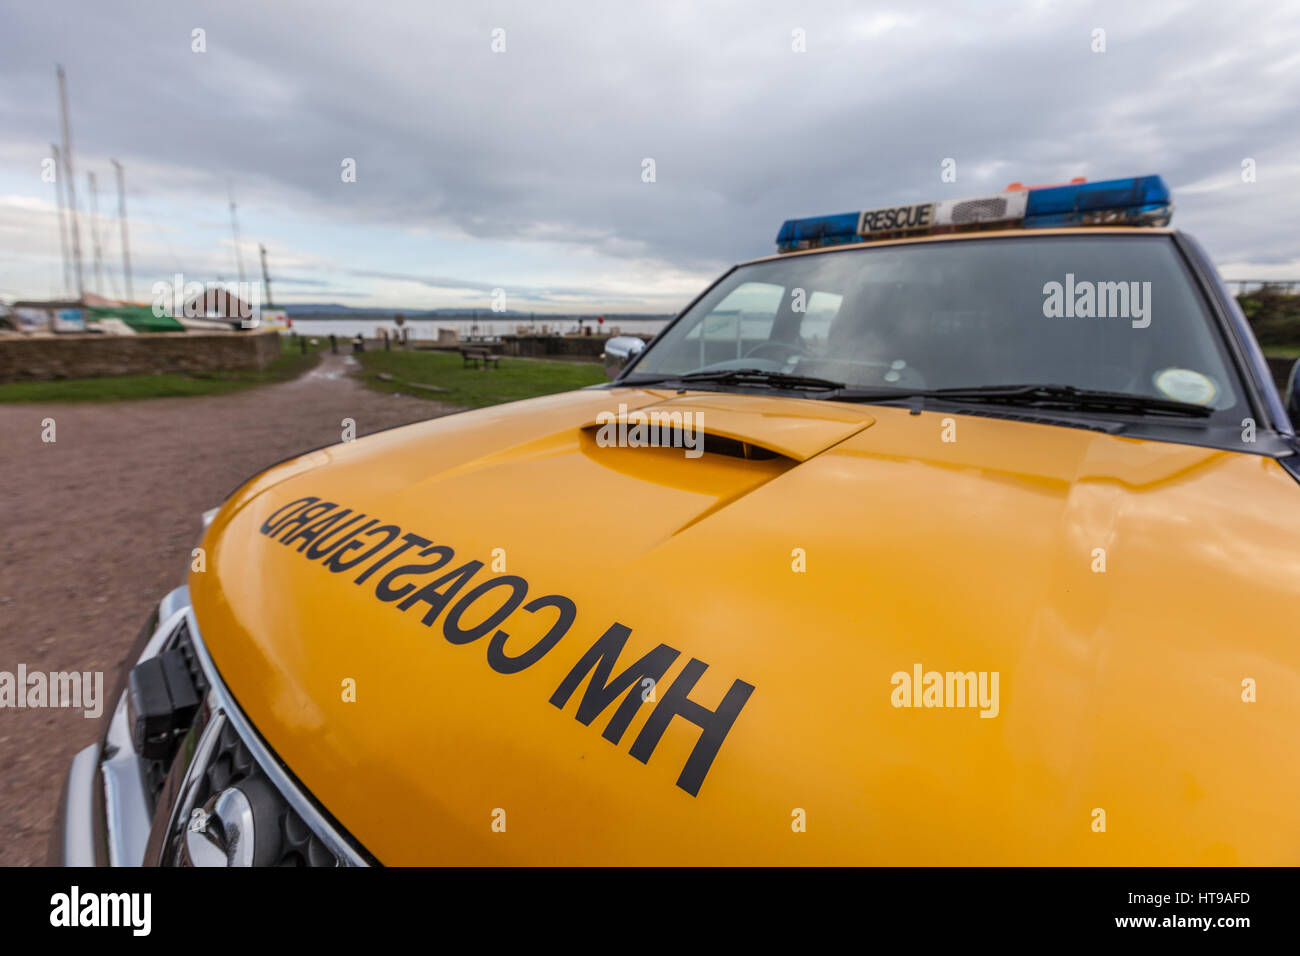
pixel 476 358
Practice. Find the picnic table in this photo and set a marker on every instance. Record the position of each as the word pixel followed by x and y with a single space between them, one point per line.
pixel 479 358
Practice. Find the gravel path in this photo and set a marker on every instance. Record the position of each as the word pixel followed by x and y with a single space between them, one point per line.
pixel 99 525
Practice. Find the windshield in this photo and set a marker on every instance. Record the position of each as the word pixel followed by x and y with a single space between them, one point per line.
pixel 1103 312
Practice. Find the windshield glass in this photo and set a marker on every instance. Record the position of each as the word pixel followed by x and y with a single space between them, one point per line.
pixel 1110 312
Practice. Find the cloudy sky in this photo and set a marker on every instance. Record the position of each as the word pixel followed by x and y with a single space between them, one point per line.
pixel 523 169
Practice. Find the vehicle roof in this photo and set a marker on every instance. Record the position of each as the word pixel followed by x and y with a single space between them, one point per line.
pixel 969 234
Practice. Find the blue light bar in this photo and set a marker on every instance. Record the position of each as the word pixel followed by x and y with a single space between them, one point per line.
pixel 818 231
pixel 1143 200
pixel 1137 201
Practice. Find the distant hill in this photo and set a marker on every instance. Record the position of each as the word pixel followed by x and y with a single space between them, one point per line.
pixel 326 310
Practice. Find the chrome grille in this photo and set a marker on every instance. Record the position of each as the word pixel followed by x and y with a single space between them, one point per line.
pixel 230 764
pixel 225 799
pixel 154 772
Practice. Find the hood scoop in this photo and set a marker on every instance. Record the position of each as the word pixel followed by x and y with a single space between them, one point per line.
pixel 685 441
pixel 746 427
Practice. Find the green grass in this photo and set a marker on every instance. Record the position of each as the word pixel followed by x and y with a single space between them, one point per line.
pixel 1274 317
pixel 515 379
pixel 290 364
pixel 1282 351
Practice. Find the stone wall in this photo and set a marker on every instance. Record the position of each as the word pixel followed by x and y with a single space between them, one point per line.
pixel 24 359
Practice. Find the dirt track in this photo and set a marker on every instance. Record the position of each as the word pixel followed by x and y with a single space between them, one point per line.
pixel 99 525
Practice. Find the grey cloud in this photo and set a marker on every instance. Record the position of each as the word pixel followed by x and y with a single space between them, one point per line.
pixel 546 140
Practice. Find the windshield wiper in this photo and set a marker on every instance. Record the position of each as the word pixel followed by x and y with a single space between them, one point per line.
pixel 747 376
pixel 1037 396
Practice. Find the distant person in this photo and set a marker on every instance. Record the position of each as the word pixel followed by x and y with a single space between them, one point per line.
pixel 358 344
pixel 334 344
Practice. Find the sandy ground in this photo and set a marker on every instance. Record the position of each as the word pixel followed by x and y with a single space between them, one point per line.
pixel 99 525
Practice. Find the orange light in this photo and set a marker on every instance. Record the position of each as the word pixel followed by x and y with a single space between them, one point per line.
pixel 1015 186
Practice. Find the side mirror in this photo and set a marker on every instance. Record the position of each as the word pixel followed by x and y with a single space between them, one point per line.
pixel 619 350
pixel 1293 395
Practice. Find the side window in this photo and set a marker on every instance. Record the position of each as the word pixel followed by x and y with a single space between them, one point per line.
pixel 745 315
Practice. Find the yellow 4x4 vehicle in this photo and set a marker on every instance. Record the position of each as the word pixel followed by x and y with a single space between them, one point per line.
pixel 956 532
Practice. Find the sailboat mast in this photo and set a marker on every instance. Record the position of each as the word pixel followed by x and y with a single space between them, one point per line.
pixel 234 230
pixel 72 184
pixel 63 223
pixel 121 218
pixel 94 234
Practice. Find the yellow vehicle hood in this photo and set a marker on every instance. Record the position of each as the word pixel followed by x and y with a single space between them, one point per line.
pixel 794 587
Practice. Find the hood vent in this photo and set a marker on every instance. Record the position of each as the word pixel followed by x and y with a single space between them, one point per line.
pixel 708 443
pixel 721 445
pixel 747 427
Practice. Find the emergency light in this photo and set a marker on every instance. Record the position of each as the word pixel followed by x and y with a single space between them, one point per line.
pixel 1137 201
